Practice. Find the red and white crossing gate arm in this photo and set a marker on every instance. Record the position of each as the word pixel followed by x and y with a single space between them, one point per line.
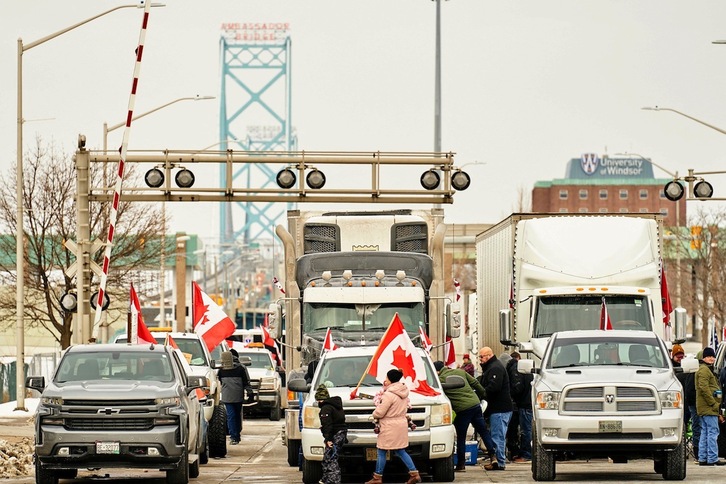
pixel 120 174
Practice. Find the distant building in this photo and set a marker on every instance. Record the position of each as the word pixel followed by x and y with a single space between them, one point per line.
pixel 622 184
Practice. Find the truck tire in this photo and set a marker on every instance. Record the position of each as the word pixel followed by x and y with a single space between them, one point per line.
pixel 543 462
pixel 180 475
pixel 293 452
pixel 217 432
pixel 312 471
pixel 204 452
pixel 44 476
pixel 675 462
pixel 275 413
pixel 194 469
pixel 442 470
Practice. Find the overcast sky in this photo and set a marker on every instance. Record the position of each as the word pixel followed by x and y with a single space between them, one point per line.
pixel 526 85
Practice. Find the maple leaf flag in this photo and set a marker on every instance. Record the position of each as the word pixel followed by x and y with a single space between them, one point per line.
pixel 271 344
pixel 449 353
pixel 457 286
pixel 140 334
pixel 605 322
pixel 425 341
pixel 278 285
pixel 396 350
pixel 328 344
pixel 209 321
pixel 170 342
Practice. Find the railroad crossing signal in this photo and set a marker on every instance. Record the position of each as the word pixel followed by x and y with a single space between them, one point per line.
pixel 72 270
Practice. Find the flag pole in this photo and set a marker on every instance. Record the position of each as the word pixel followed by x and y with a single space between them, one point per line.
pixel 383 338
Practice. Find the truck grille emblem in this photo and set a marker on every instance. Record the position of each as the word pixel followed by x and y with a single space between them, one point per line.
pixel 109 411
pixel 610 398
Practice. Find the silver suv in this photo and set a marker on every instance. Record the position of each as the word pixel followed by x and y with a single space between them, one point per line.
pixel 118 406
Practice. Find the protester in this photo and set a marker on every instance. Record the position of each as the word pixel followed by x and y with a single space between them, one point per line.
pixel 334 429
pixel 467 365
pixel 708 402
pixel 495 381
pixel 689 395
pixel 467 407
pixel 393 435
pixel 235 383
pixel 521 392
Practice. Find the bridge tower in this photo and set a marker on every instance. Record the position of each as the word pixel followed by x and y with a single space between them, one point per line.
pixel 255 115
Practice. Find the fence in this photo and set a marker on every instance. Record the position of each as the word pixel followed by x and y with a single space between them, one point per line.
pixel 43 364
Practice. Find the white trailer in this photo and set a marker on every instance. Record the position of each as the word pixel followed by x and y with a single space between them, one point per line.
pixel 540 273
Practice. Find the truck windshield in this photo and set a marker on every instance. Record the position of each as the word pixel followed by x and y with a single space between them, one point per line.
pixel 347 372
pixel 573 352
pixel 361 317
pixel 565 313
pixel 136 365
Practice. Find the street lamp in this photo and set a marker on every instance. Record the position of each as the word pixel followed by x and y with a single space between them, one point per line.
pixel 20 242
pixel 107 129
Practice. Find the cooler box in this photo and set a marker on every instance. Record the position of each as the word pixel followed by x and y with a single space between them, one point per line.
pixel 469 454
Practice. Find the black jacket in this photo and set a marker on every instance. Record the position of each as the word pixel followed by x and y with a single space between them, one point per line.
pixel 235 383
pixel 520 386
pixel 332 417
pixel 495 381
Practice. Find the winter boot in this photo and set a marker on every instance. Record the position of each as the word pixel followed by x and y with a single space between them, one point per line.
pixel 414 477
pixel 378 479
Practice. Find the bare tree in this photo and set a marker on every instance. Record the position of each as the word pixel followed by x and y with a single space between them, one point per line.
pixel 523 204
pixel 702 273
pixel 49 198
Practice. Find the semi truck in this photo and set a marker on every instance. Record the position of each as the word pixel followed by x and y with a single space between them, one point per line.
pixel 351 272
pixel 540 273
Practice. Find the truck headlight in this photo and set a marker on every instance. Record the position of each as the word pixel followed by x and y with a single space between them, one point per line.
pixel 168 401
pixel 671 399
pixel 440 415
pixel 268 383
pixel 548 400
pixel 51 400
pixel 311 417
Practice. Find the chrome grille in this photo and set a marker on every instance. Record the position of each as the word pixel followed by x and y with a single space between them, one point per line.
pixel 109 424
pixel 610 399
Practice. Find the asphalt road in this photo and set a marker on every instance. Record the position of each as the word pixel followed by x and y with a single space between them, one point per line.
pixel 261 458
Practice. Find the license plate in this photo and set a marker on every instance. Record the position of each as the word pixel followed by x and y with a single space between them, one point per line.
pixel 610 426
pixel 107 447
pixel 372 455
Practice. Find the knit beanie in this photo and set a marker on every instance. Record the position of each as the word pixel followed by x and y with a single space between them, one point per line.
pixel 708 351
pixel 322 393
pixel 438 365
pixel 394 375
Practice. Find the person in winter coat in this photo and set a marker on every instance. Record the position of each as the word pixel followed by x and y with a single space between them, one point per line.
pixel 393 435
pixel 689 395
pixel 235 383
pixel 520 389
pixel 708 402
pixel 495 381
pixel 334 429
pixel 465 403
pixel 467 365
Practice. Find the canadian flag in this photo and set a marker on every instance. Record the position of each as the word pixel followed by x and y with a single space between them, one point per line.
pixel 328 344
pixel 140 334
pixel 271 345
pixel 605 322
pixel 170 342
pixel 449 353
pixel 457 286
pixel 208 319
pixel 665 296
pixel 278 285
pixel 425 341
pixel 396 350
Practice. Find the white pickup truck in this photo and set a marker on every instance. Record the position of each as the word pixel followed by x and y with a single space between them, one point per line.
pixel 430 445
pixel 607 394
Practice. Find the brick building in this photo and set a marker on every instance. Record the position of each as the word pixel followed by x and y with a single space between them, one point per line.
pixel 594 184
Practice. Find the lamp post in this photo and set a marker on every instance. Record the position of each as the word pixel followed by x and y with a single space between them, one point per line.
pixel 20 242
pixel 657 108
pixel 107 129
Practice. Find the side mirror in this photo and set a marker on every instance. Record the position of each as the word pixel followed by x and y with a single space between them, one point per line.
pixel 214 364
pixel 526 367
pixel 245 360
pixel 36 383
pixel 298 385
pixel 452 382
pixel 453 320
pixel 505 327
pixel 681 318
pixel 689 365
pixel 274 317
pixel 196 381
